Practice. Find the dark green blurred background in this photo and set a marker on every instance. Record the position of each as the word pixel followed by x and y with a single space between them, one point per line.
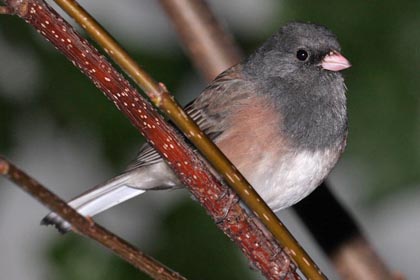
pixel 57 126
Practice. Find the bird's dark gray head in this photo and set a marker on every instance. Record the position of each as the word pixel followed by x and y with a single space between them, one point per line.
pixel 296 48
pixel 298 68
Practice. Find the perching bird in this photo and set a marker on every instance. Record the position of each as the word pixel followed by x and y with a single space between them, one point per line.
pixel 279 116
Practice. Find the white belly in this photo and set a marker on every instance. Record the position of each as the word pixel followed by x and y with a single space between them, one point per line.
pixel 288 180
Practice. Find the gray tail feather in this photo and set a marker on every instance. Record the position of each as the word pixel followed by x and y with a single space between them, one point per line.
pixel 96 200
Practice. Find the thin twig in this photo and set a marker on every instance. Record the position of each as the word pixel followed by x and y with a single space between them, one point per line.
pixel 163 100
pixel 221 203
pixel 86 226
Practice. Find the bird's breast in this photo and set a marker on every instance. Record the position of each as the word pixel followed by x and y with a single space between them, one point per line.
pixel 281 172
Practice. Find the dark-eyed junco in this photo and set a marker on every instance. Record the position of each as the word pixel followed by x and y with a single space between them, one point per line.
pixel 279 116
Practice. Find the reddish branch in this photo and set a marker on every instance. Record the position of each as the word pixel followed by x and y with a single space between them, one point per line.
pixel 218 200
pixel 87 226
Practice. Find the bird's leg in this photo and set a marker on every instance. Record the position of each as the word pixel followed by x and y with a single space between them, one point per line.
pixel 223 195
pixel 227 199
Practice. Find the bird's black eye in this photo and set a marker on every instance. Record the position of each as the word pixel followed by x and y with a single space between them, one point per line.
pixel 302 55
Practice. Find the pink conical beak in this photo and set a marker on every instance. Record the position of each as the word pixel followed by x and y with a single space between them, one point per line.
pixel 334 61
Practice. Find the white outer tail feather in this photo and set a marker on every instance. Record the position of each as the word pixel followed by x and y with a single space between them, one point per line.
pixel 95 201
